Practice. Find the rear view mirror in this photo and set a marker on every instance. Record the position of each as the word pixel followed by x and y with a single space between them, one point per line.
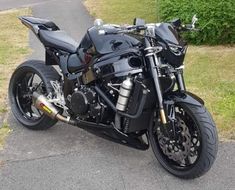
pixel 139 22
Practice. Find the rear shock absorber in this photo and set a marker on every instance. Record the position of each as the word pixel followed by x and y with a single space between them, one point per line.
pixel 124 94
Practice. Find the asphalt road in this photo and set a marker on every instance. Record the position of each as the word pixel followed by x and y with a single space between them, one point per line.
pixel 66 157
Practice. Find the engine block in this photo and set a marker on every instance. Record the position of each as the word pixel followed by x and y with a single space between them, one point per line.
pixel 85 105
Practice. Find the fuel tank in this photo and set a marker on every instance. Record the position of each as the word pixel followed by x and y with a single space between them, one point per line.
pixel 109 43
pixel 110 55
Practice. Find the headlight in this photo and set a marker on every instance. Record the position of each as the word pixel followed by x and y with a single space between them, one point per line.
pixel 177 50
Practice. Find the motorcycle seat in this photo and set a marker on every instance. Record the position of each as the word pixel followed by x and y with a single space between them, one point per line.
pixel 58 40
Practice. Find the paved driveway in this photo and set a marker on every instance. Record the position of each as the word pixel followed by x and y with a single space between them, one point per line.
pixel 66 157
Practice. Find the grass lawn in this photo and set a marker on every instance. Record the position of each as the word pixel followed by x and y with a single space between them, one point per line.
pixel 4 131
pixel 122 11
pixel 210 71
pixel 13 48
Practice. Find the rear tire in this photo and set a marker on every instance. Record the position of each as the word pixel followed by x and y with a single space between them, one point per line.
pixel 208 145
pixel 45 74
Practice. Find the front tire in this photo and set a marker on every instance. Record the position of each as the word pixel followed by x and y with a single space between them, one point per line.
pixel 30 75
pixel 201 121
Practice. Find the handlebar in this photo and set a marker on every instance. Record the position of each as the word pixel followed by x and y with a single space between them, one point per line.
pixel 138 28
pixel 185 27
pixel 128 29
pixel 188 27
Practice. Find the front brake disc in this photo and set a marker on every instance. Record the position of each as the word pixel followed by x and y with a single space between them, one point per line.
pixel 176 149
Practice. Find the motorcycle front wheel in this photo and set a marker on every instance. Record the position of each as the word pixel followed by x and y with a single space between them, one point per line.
pixel 190 149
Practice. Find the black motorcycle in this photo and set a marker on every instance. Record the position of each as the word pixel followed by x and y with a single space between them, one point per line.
pixel 124 83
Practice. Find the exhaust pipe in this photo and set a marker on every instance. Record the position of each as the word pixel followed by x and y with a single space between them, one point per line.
pixel 42 103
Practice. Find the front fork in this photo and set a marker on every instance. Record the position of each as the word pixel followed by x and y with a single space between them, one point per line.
pixel 154 71
pixel 180 80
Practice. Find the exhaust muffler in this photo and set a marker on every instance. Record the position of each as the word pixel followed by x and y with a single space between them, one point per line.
pixel 42 103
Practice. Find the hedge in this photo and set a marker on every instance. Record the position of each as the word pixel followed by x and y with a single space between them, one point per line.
pixel 216 19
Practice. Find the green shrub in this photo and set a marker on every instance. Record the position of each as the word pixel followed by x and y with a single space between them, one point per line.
pixel 216 19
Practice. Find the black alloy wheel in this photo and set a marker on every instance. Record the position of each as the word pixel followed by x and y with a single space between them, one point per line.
pixel 31 76
pixel 192 147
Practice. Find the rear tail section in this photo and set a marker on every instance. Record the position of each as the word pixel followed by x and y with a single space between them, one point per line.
pixel 36 24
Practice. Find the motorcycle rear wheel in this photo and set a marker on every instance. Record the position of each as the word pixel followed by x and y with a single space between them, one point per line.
pixel 31 75
pixel 205 149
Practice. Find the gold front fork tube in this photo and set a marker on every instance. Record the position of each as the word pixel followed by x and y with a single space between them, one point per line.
pixel 163 116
